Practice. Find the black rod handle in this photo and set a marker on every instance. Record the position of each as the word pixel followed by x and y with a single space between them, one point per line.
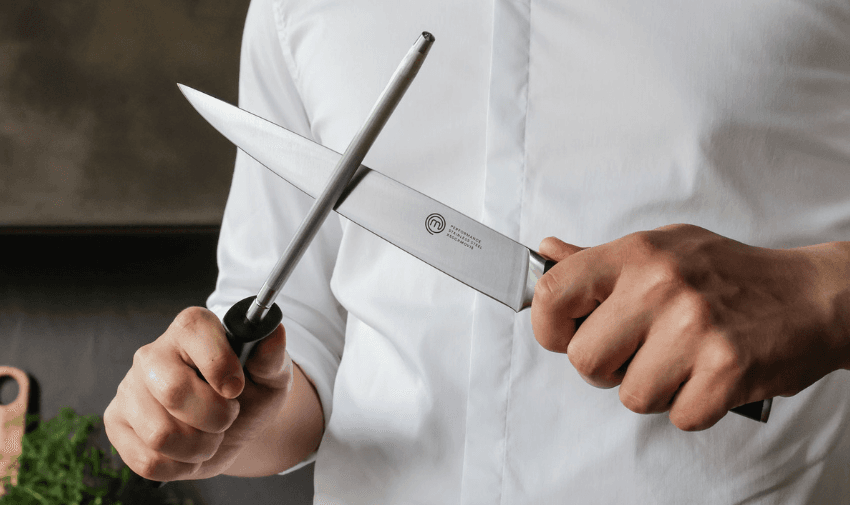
pixel 757 411
pixel 242 334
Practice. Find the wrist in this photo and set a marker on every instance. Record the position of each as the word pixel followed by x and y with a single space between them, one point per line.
pixel 830 291
pixel 289 439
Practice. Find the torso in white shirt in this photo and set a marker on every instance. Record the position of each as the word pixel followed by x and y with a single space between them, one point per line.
pixel 586 120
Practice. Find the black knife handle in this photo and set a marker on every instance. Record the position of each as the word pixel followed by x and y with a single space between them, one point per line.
pixel 757 411
pixel 242 335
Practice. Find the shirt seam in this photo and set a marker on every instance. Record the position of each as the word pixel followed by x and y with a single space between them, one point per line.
pixel 502 490
pixel 288 58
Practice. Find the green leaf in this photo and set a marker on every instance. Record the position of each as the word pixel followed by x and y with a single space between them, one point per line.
pixel 54 462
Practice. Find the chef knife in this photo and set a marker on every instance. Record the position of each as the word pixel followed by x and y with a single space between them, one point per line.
pixel 458 245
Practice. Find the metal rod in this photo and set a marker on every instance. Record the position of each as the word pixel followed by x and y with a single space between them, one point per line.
pixel 348 164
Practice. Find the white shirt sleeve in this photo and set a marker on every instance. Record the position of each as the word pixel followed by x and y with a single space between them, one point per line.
pixel 263 212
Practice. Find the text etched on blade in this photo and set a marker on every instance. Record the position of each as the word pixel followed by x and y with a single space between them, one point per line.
pixel 463 238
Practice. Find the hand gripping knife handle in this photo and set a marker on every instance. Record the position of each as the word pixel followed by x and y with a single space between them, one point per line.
pixel 757 411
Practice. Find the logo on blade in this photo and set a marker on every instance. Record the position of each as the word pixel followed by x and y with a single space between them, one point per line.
pixel 435 223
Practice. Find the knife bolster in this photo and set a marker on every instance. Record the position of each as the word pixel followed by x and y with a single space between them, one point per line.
pixel 537 266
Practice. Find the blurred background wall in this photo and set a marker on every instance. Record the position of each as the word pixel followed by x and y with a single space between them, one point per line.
pixel 93 130
pixel 111 193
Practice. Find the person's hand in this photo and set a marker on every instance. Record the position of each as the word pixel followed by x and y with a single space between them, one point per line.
pixel 168 424
pixel 689 322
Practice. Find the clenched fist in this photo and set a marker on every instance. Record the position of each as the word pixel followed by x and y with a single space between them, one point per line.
pixel 169 424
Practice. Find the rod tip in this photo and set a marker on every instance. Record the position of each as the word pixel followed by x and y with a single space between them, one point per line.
pixel 424 43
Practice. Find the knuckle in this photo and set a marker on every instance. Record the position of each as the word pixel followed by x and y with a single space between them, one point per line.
pixel 725 364
pixel 580 362
pixel 158 438
pixel 194 317
pixel 204 448
pixel 545 320
pixel 662 272
pixel 603 382
pixel 155 466
pixel 140 357
pixel 545 292
pixel 111 416
pixel 222 422
pixel 148 465
pixel 730 364
pixel 728 361
pixel 641 243
pixel 548 341
pixel 635 403
pixel 108 413
pixel 689 423
pixel 109 420
pixel 587 365
pixel 212 443
pixel 122 390
pixel 645 246
pixel 174 396
pixel 696 415
pixel 694 312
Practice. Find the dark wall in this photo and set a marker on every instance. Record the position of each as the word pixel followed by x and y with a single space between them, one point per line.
pixel 93 130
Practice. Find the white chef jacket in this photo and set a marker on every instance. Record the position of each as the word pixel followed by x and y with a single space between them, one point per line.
pixel 582 119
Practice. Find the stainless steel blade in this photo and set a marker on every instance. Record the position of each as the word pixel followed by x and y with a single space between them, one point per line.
pixel 429 230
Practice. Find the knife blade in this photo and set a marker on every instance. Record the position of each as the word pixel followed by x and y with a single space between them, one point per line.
pixel 442 237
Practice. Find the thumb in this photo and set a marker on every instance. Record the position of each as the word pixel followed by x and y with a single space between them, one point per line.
pixel 556 249
pixel 269 364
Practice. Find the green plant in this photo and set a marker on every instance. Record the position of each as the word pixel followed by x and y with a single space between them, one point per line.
pixel 56 467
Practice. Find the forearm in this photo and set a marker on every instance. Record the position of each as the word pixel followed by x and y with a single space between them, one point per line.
pixel 291 437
